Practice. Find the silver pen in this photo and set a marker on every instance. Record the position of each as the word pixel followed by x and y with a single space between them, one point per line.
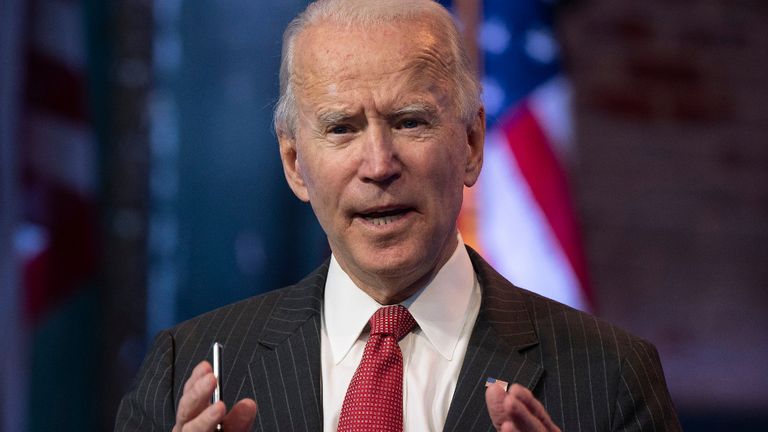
pixel 217 347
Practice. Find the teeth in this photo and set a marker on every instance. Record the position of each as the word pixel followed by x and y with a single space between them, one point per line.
pixel 383 220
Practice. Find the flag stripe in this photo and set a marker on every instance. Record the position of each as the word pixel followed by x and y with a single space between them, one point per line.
pixel 544 176
pixel 515 234
pixel 53 87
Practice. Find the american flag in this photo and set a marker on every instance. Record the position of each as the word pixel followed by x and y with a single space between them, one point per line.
pixel 520 215
pixel 494 381
pixel 55 237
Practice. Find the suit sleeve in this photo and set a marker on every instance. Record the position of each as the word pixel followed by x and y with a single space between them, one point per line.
pixel 149 404
pixel 643 402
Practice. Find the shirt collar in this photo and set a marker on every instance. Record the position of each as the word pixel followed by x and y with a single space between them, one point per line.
pixel 347 309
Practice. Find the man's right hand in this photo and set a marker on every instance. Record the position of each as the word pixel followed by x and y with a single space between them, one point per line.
pixel 517 410
pixel 197 414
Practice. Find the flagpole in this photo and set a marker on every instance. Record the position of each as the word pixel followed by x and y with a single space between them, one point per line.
pixel 469 13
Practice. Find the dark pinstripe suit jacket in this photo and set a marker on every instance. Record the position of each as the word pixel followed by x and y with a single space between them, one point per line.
pixel 590 375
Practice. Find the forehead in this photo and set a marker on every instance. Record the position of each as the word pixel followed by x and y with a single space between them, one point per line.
pixel 330 57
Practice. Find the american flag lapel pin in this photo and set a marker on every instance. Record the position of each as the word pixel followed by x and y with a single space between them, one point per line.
pixel 494 381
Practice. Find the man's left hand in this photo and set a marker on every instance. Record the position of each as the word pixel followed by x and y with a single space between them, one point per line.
pixel 517 410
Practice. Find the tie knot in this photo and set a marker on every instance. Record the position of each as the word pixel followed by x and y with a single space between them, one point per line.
pixel 392 320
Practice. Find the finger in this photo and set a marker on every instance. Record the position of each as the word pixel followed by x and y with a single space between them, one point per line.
pixel 198 372
pixel 194 401
pixel 494 400
pixel 207 420
pixel 521 418
pixel 241 416
pixel 534 406
pixel 508 426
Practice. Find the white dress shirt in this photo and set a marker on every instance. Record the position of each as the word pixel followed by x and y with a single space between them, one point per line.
pixel 445 311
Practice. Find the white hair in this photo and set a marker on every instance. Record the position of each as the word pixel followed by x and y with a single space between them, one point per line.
pixel 366 13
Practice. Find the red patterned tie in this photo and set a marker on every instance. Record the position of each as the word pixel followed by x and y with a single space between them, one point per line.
pixel 374 399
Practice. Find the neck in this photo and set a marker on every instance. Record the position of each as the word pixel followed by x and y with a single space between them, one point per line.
pixel 389 293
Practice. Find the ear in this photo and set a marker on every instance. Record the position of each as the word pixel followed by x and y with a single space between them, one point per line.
pixel 475 144
pixel 291 165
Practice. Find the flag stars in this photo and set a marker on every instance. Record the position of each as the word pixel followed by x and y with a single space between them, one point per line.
pixel 494 36
pixel 540 45
pixel 493 96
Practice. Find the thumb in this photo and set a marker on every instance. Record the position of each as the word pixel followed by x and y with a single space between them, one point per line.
pixel 241 416
pixel 494 400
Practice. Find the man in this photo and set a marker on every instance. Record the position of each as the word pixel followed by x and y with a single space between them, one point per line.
pixel 380 127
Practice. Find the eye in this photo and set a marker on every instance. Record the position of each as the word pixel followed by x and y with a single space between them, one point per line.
pixel 410 123
pixel 339 130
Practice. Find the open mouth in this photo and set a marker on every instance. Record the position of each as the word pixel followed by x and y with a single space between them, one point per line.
pixel 384 217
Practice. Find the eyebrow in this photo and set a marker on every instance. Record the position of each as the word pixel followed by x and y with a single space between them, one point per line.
pixel 415 108
pixel 333 117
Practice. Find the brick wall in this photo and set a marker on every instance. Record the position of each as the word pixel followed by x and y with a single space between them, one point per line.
pixel 671 178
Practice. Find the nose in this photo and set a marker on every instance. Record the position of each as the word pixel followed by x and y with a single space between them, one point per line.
pixel 379 161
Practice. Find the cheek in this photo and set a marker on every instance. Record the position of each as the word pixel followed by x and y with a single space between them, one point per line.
pixel 309 164
pixel 307 172
pixel 321 184
pixel 446 176
pixel 447 164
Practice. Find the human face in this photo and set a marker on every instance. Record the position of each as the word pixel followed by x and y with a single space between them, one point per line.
pixel 380 152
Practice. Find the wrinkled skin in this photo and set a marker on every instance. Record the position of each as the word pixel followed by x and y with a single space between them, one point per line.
pixel 380 152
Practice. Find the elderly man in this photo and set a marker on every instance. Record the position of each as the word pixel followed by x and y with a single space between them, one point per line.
pixel 380 127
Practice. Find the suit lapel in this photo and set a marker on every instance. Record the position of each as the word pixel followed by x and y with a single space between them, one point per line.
pixel 286 373
pixel 502 332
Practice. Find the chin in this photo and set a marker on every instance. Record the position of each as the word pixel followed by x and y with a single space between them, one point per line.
pixel 395 262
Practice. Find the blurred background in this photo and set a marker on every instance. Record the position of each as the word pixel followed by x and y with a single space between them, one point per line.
pixel 626 174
